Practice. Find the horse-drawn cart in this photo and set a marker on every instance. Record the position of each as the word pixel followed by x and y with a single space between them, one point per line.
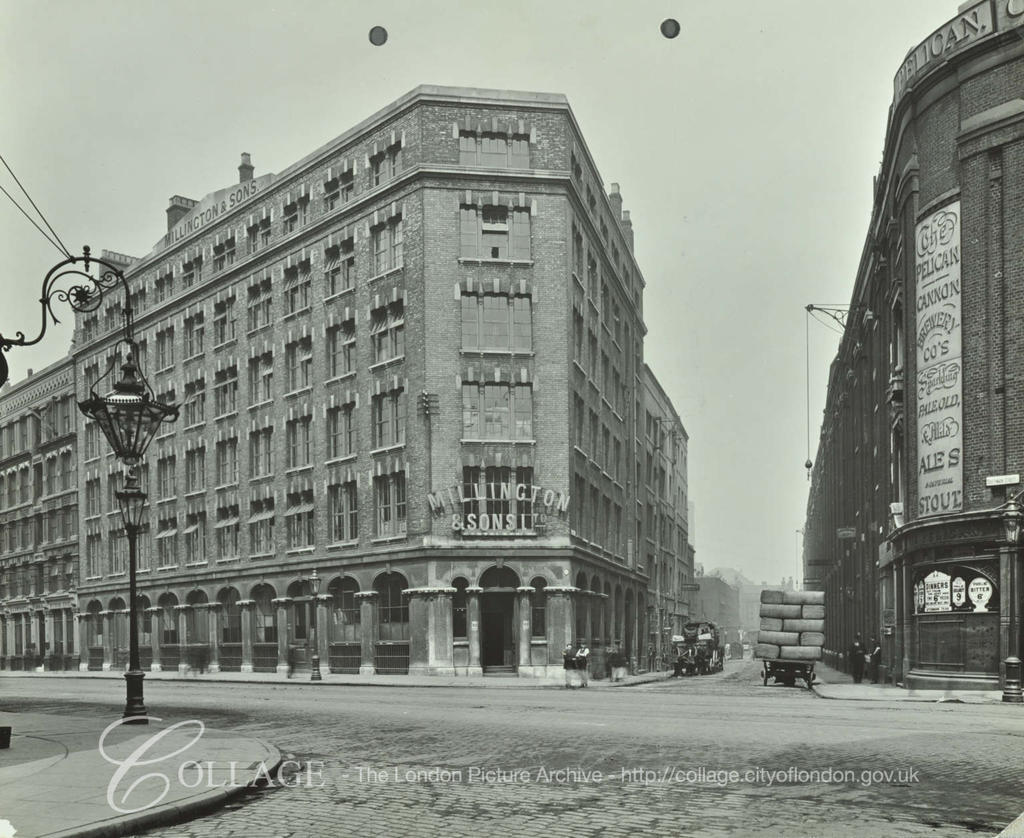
pixel 787 672
pixel 792 635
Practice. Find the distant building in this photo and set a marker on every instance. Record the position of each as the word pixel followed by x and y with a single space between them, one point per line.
pixel 749 594
pixel 717 601
pixel 666 544
pixel 39 543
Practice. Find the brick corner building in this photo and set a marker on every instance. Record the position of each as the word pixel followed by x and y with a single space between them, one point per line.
pixel 921 448
pixel 412 362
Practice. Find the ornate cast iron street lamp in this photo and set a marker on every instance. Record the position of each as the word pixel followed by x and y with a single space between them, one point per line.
pixel 129 415
pixel 1012 664
pixel 314 661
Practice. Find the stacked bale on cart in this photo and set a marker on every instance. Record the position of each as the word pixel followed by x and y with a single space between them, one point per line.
pixel 792 626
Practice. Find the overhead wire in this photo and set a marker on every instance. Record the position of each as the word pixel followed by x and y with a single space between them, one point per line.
pixel 807 330
pixel 826 324
pixel 58 243
pixel 33 223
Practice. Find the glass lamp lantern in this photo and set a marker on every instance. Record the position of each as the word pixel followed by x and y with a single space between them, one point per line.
pixel 129 416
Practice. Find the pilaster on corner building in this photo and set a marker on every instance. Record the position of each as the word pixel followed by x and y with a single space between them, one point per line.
pixel 412 362
pixel 921 445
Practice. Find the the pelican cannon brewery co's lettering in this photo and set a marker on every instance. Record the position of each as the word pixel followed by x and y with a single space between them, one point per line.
pixel 939 383
pixel 497 508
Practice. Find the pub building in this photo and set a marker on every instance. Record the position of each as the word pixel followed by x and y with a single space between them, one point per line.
pixel 913 515
pixel 410 364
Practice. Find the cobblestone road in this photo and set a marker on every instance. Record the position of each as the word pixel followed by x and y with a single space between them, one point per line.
pixel 405 761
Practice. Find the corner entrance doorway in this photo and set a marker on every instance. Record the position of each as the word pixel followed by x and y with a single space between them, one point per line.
pixel 498 621
pixel 498 652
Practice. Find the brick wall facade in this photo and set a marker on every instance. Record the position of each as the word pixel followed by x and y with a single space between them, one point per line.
pixel 955 138
pixel 408 169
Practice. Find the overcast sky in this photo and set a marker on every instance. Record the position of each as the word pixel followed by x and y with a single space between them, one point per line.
pixel 745 150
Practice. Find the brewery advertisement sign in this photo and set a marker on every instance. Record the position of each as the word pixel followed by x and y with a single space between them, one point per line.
pixel 939 365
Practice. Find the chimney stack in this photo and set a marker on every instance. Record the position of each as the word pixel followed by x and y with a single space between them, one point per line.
pixel 177 209
pixel 245 169
pixel 627 229
pixel 615 199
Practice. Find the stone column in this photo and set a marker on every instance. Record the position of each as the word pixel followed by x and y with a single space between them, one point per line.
pixel 245 607
pixel 907 606
pixel 368 630
pixel 525 629
pixel 25 619
pixel 599 644
pixel 83 622
pixel 602 612
pixel 213 610
pixel 69 631
pixel 32 618
pixel 430 631
pixel 49 645
pixel 561 619
pixel 473 629
pixel 107 618
pixel 583 615
pixel 321 614
pixel 183 638
pixel 283 632
pixel 156 616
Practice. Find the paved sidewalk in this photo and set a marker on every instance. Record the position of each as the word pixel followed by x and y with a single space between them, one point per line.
pixel 829 683
pixel 57 781
pixel 332 679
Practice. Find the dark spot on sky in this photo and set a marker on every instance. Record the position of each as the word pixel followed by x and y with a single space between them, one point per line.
pixel 670 27
pixel 378 35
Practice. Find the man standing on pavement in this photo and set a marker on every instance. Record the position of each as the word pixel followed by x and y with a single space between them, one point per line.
pixel 568 664
pixel 582 659
pixel 857 659
pixel 875 656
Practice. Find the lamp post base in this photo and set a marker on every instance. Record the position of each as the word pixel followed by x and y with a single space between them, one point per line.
pixel 1012 693
pixel 315 666
pixel 135 712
